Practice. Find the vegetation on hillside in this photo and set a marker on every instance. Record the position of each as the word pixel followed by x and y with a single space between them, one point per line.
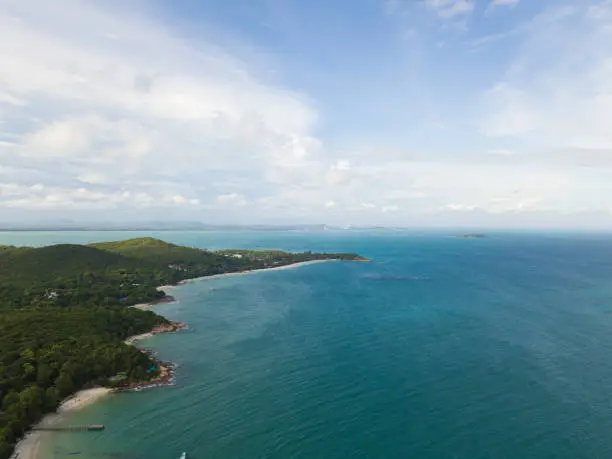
pixel 48 353
pixel 63 317
pixel 74 275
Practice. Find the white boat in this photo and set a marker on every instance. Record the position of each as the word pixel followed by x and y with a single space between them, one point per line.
pixel 184 456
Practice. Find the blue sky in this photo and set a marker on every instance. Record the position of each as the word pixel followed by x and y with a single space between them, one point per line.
pixel 398 112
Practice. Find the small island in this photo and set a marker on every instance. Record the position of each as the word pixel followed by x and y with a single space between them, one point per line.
pixel 67 321
pixel 471 236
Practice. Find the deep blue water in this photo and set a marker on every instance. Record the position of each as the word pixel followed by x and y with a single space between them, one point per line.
pixel 440 348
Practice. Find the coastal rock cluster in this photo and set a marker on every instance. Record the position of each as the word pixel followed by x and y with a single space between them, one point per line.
pixel 168 328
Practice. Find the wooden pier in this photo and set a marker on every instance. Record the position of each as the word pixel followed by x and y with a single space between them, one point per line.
pixel 79 428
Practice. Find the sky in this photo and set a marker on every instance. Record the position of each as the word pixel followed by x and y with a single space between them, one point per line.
pixel 347 112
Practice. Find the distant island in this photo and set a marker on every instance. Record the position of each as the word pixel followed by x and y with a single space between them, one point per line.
pixel 65 324
pixel 471 236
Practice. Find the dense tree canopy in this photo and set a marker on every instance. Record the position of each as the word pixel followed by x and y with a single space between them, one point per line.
pixel 48 353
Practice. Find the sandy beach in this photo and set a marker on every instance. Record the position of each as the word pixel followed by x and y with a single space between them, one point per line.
pixel 27 448
pixel 244 273
pixel 82 399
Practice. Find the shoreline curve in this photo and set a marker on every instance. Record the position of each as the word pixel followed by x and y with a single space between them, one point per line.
pixel 28 446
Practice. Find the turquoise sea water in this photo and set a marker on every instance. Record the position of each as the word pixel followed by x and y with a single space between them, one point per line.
pixel 440 348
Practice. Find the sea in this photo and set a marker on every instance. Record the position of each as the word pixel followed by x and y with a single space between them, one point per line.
pixel 439 348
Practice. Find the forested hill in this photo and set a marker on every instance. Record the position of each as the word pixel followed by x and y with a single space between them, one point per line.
pixel 22 265
pixel 158 251
pixel 75 275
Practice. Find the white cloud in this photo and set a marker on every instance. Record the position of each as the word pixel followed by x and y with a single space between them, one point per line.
pixel 119 114
pixel 449 9
pixel 231 199
pixel 329 204
pixel 390 208
pixel 557 93
pixel 342 165
pixel 461 207
pixel 339 172
pixel 142 104
pixel 40 197
pixel 513 114
pixel 86 135
pixel 511 3
pixel 6 98
pixel 144 72
pixel 178 199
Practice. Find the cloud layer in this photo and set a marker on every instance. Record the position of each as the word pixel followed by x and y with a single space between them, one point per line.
pixel 120 115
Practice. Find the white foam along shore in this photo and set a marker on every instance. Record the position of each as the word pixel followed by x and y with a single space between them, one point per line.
pixel 27 448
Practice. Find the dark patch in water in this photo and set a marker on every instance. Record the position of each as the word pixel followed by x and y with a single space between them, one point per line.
pixel 392 277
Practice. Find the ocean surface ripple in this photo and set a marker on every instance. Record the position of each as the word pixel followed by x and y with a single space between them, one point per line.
pixel 440 348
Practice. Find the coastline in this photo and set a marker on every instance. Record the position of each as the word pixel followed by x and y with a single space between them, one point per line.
pixel 250 271
pixel 171 299
pixel 27 447
pixel 162 300
pixel 166 369
pixel 164 328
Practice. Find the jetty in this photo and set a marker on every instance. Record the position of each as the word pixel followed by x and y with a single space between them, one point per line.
pixel 77 428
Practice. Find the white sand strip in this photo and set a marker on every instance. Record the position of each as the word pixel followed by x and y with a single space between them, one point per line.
pixel 27 448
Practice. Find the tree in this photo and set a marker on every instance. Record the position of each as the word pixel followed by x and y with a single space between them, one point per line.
pixel 64 384
pixel 31 400
pixel 10 399
pixel 52 399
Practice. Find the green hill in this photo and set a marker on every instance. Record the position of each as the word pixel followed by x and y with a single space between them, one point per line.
pixel 165 254
pixel 57 262
pixel 6 249
pixel 76 275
